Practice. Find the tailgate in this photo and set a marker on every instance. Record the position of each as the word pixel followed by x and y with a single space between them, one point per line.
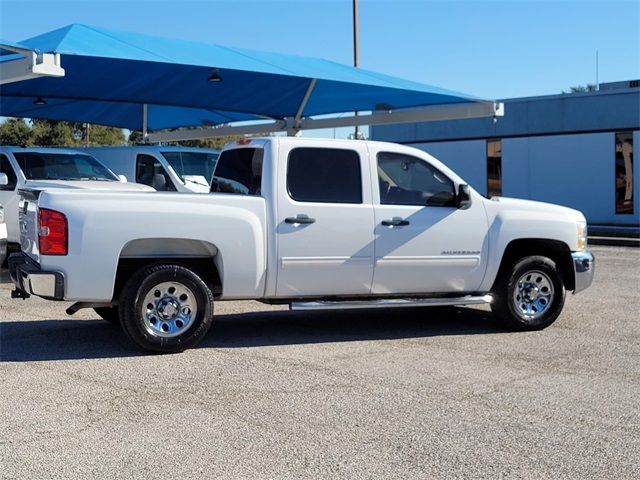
pixel 28 222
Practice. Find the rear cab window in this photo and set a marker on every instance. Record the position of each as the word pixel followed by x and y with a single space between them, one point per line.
pixel 324 175
pixel 239 171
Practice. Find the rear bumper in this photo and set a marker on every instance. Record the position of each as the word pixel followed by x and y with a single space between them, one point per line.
pixel 28 278
pixel 584 266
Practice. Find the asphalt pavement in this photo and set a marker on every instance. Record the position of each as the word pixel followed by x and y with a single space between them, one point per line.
pixel 407 393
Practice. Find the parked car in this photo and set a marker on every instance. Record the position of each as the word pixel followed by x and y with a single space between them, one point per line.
pixel 3 225
pixel 174 169
pixel 43 168
pixel 307 222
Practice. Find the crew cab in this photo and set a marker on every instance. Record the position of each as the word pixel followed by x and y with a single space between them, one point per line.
pixel 307 222
pixel 172 169
pixel 45 168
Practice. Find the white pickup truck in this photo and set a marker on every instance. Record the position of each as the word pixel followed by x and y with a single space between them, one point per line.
pixel 308 222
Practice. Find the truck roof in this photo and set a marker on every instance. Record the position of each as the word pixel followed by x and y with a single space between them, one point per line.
pixel 16 149
pixel 306 140
pixel 154 148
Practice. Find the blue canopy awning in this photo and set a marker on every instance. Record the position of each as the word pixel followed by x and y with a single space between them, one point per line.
pixel 110 75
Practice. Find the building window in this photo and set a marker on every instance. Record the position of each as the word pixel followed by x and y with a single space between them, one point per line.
pixel 624 172
pixel 494 168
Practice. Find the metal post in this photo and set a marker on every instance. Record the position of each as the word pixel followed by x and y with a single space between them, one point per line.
pixel 356 52
pixel 597 81
pixel 144 122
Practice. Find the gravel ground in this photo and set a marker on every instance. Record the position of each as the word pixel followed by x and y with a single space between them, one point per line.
pixel 409 393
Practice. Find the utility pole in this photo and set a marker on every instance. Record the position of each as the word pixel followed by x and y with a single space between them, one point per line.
pixel 356 59
pixel 597 80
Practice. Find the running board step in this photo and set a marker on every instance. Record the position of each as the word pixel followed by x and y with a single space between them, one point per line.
pixel 393 302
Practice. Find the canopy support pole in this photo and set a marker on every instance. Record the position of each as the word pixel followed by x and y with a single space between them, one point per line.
pixel 293 127
pixel 456 111
pixel 145 117
pixel 32 65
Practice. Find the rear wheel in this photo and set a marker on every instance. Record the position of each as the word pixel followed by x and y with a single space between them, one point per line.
pixel 530 295
pixel 110 314
pixel 166 308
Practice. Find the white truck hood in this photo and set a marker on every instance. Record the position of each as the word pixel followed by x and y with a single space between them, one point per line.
pixel 538 207
pixel 87 184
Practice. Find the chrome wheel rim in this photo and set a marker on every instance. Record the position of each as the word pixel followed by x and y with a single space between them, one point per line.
pixel 168 309
pixel 533 294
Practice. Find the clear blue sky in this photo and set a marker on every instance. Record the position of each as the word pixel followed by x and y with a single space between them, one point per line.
pixel 484 48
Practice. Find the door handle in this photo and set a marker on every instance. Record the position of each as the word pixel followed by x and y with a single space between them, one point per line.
pixel 300 219
pixel 395 222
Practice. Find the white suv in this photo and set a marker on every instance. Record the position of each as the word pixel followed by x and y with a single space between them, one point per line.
pixel 3 226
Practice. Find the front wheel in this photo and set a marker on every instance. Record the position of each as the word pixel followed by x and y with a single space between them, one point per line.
pixel 530 295
pixel 166 308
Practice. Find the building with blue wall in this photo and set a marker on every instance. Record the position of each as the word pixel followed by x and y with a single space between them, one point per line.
pixel 573 149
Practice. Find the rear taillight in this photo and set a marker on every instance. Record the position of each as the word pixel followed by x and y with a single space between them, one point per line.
pixel 53 232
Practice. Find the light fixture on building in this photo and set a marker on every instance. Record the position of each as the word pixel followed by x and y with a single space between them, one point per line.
pixel 215 76
pixel 39 101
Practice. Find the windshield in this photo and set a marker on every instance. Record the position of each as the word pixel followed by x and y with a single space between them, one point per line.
pixel 62 166
pixel 193 167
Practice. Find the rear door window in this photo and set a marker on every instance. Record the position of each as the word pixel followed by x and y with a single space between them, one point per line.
pixel 7 169
pixel 324 175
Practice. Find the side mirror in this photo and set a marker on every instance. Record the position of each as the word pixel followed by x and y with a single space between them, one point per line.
pixel 123 178
pixel 464 197
pixel 4 180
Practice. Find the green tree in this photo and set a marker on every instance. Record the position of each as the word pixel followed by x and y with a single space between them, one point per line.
pixel 135 137
pixel 101 135
pixel 53 133
pixel 14 131
pixel 215 142
pixel 590 87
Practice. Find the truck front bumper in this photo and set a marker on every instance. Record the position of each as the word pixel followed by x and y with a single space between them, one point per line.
pixel 29 279
pixel 584 266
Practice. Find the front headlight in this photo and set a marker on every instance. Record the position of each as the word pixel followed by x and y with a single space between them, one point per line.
pixel 582 235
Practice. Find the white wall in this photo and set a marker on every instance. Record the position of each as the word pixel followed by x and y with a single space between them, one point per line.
pixel 577 171
pixel 467 158
pixel 573 170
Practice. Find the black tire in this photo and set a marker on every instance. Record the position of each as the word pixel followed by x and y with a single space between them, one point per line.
pixel 109 314
pixel 530 295
pixel 141 323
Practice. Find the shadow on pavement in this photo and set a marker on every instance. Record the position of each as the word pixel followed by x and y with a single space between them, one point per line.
pixel 80 339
